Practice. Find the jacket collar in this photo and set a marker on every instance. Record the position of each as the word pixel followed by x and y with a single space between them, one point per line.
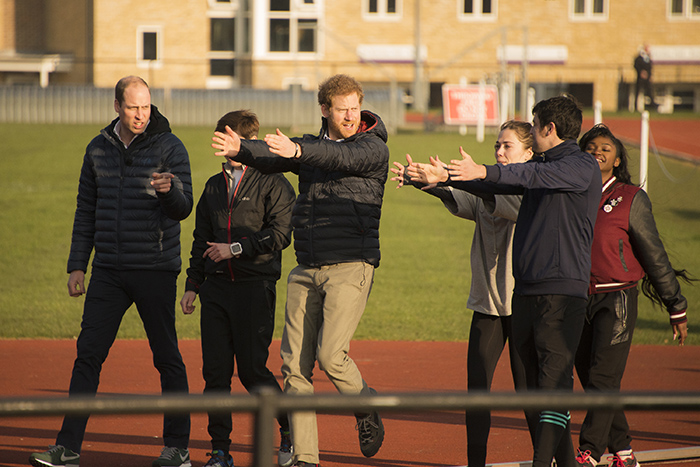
pixel 368 122
pixel 561 150
pixel 609 183
pixel 157 124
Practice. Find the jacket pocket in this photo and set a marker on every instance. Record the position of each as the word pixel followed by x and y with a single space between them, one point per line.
pixel 620 331
pixel 621 252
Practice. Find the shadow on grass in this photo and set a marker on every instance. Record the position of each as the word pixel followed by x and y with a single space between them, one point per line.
pixel 653 324
pixel 686 213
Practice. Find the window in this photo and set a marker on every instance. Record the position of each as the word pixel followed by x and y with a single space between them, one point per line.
pixel 293 26
pixel 684 9
pixel 382 10
pixel 227 29
pixel 583 7
pixel 588 10
pixel 279 5
pixel 478 10
pixel 222 67
pixel 477 6
pixel 223 34
pixel 149 47
pixel 307 35
pixel 279 35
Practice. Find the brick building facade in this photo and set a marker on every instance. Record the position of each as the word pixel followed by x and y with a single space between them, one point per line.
pixel 586 47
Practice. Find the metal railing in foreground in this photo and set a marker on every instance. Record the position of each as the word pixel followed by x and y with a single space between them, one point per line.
pixel 266 404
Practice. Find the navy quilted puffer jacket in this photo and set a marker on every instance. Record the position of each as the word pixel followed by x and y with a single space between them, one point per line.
pixel 119 214
pixel 341 188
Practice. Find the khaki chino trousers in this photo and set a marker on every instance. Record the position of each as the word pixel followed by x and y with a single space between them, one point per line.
pixel 324 307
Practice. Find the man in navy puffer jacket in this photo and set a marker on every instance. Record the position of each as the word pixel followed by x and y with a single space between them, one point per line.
pixel 135 188
pixel 342 172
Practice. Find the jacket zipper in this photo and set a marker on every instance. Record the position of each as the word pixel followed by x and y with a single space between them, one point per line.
pixel 230 214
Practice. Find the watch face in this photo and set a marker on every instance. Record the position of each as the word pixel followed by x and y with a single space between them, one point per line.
pixel 236 249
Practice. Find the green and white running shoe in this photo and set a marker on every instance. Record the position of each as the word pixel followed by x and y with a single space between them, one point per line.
pixel 173 457
pixel 56 456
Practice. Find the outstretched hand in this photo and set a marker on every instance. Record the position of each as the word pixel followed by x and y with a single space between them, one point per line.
pixel 465 169
pixel 228 143
pixel 428 174
pixel 281 145
pixel 400 171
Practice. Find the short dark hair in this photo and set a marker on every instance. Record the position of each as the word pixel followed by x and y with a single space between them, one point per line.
pixel 243 122
pixel 124 83
pixel 564 111
pixel 338 85
pixel 621 172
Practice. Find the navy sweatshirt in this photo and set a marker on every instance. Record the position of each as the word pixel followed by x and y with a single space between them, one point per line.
pixel 554 230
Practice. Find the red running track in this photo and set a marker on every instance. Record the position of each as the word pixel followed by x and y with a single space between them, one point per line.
pixel 41 368
pixel 677 138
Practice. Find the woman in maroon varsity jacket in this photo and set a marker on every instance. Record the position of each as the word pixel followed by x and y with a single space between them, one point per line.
pixel 626 249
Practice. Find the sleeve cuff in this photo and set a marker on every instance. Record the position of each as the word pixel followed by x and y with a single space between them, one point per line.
pixel 493 173
pixel 678 318
pixel 191 286
pixel 247 246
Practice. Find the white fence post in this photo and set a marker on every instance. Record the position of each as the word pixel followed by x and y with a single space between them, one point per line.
pixel 597 112
pixel 481 112
pixel 644 152
pixel 530 104
pixel 463 82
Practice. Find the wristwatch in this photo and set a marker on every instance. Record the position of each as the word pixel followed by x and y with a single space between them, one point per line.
pixel 236 248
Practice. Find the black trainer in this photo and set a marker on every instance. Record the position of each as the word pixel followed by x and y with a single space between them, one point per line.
pixel 370 431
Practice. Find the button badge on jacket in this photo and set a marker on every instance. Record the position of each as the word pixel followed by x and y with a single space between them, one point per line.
pixel 612 203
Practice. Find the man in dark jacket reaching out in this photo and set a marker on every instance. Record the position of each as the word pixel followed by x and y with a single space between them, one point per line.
pixel 135 188
pixel 551 254
pixel 342 173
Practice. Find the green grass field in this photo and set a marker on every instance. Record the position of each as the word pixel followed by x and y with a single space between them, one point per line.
pixel 420 289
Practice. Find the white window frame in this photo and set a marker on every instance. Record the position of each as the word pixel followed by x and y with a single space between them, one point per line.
pixel 588 14
pixel 477 16
pixel 140 61
pixel 225 14
pixel 382 14
pixel 298 11
pixel 686 15
pixel 223 10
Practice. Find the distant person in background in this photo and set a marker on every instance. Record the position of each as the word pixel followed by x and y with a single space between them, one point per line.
pixel 492 279
pixel 243 222
pixel 642 65
pixel 135 188
pixel 626 249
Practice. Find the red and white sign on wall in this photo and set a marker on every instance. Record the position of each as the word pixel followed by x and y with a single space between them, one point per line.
pixel 460 104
